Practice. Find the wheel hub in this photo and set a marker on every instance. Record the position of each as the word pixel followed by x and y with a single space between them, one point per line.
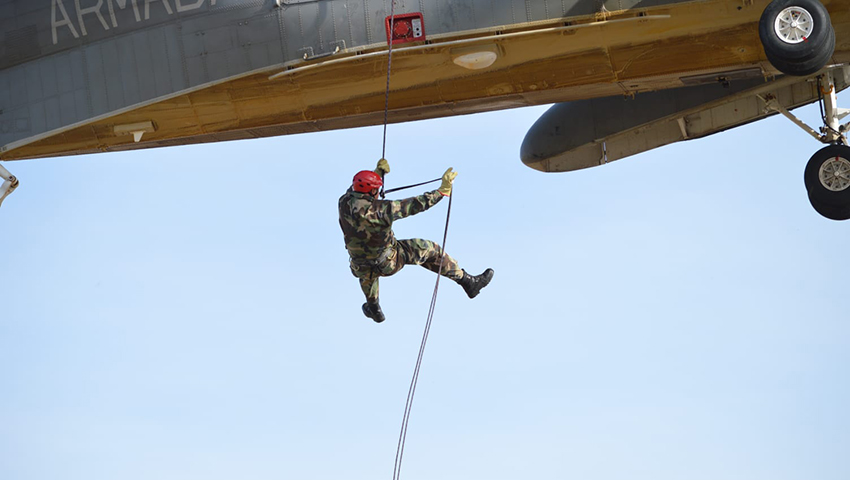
pixel 834 174
pixel 793 25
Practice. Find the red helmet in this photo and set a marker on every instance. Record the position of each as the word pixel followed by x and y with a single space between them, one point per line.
pixel 366 181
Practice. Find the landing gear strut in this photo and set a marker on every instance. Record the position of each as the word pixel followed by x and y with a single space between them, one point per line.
pixel 10 183
pixel 827 175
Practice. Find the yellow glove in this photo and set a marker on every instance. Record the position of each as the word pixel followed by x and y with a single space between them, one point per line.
pixel 383 167
pixel 446 187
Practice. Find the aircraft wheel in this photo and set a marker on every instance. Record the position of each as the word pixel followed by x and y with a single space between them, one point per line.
pixel 830 211
pixel 797 35
pixel 827 179
pixel 802 68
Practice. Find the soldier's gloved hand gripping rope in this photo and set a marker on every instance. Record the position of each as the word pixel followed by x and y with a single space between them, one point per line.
pixel 382 169
pixel 446 187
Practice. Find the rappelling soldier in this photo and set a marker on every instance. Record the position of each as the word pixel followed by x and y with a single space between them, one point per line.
pixel 367 222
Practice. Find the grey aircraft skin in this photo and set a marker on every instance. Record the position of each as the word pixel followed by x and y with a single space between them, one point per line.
pixel 86 76
pixel 67 61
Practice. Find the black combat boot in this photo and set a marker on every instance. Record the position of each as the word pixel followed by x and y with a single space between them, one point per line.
pixel 373 311
pixel 472 284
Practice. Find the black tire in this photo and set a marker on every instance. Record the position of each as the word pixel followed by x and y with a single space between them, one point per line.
pixel 820 43
pixel 830 194
pixel 829 211
pixel 807 67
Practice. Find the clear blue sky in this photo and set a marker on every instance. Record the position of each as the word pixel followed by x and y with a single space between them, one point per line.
pixel 188 313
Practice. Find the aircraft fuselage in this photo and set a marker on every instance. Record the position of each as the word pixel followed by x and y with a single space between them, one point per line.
pixel 84 76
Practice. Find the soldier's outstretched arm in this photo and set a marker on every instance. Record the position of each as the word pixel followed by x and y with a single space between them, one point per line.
pixel 413 205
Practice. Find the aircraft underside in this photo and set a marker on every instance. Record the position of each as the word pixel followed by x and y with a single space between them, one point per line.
pixel 647 75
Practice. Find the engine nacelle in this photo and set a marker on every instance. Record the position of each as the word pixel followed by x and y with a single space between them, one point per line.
pixel 587 133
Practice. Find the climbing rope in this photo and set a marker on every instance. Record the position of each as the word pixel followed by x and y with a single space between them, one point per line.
pixel 414 185
pixel 387 93
pixel 412 390
pixel 399 455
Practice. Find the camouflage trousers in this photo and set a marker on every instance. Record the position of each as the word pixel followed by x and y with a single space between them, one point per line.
pixel 414 251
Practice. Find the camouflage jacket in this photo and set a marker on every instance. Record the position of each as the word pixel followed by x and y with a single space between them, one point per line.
pixel 367 221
